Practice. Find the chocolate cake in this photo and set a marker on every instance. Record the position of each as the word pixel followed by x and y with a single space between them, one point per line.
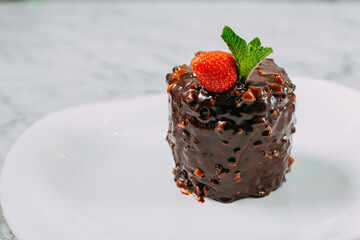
pixel 232 144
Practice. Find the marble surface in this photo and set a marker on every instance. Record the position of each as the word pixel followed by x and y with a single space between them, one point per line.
pixel 55 55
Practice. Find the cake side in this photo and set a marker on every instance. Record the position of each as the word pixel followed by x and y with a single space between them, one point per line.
pixel 233 144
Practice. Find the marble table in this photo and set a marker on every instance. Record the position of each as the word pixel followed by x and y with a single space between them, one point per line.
pixel 58 54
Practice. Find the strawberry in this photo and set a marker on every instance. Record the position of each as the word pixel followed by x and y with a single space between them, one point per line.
pixel 215 70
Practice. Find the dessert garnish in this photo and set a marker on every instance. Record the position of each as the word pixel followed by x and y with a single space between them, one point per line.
pixel 216 70
pixel 247 56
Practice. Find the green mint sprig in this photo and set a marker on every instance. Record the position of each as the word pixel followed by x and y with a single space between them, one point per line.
pixel 247 56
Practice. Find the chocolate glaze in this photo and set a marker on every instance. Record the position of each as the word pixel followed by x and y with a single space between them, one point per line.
pixel 235 144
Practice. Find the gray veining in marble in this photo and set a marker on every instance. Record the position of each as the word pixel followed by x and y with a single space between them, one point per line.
pixel 55 55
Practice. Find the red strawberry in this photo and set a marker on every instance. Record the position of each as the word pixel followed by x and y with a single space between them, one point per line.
pixel 215 70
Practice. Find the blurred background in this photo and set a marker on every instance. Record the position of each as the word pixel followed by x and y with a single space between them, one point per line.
pixel 56 54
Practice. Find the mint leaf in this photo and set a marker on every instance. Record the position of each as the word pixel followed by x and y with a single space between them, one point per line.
pixel 247 56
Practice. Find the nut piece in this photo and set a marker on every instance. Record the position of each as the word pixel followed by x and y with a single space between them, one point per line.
pixel 206 191
pixel 184 191
pixel 238 103
pixel 256 90
pixel 189 97
pixel 178 74
pixel 197 190
pixel 171 86
pixel 189 83
pixel 275 74
pixel 262 73
pixel 222 173
pixel 220 125
pixel 293 97
pixel 177 68
pixel 291 161
pixel 277 88
pixel 248 96
pixel 285 139
pixel 199 173
pixel 199 199
pixel 238 177
pixel 180 183
pixel 278 78
pixel 273 112
pixel 181 124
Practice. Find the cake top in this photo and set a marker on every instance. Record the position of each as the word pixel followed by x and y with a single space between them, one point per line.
pixel 267 77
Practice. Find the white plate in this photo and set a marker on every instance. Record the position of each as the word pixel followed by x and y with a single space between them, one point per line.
pixel 104 172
